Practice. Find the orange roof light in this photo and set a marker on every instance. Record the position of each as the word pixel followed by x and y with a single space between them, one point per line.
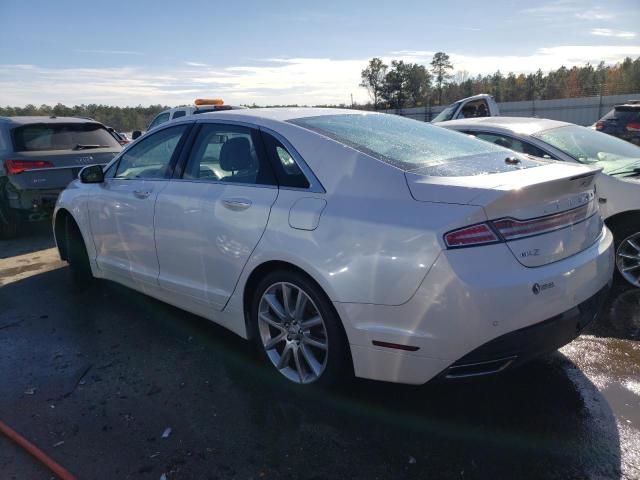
pixel 198 102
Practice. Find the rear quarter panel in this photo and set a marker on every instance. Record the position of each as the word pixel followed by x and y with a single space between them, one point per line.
pixel 374 243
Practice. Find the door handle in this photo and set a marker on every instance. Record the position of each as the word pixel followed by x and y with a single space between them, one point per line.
pixel 236 204
pixel 142 193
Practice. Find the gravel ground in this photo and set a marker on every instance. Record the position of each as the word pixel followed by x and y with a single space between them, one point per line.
pixel 95 377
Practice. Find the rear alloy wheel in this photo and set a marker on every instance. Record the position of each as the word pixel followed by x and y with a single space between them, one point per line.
pixel 298 330
pixel 628 259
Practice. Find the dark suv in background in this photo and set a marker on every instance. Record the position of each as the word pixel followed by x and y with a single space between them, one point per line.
pixel 39 156
pixel 622 122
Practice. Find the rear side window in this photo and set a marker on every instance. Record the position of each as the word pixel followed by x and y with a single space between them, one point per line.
pixel 287 170
pixel 179 113
pixel 61 136
pixel 512 144
pixel 401 142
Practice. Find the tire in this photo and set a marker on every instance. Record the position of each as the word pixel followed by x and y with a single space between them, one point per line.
pixel 276 329
pixel 77 255
pixel 8 224
pixel 627 240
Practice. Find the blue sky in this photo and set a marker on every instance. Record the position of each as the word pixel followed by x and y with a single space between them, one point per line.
pixel 146 52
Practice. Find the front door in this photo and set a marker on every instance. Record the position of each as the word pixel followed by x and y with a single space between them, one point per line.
pixel 121 211
pixel 209 221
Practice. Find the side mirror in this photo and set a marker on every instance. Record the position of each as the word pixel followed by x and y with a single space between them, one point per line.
pixel 135 134
pixel 92 174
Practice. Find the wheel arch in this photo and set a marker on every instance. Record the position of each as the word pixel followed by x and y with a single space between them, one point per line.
pixel 59 230
pixel 265 268
pixel 616 221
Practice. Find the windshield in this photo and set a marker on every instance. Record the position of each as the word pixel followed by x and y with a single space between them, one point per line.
pixel 401 142
pixel 61 136
pixel 446 114
pixel 589 146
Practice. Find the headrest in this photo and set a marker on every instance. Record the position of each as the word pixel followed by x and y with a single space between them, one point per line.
pixel 235 154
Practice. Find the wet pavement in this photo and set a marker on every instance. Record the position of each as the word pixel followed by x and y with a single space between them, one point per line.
pixel 95 377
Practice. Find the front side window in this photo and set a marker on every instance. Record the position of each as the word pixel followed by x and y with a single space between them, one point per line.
pixel 593 147
pixel 512 144
pixel 227 153
pixel 60 136
pixel 159 120
pixel 401 142
pixel 151 157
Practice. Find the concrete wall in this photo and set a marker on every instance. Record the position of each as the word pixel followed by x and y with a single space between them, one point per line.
pixel 583 110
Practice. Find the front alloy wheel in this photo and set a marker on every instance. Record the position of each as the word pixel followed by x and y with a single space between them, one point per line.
pixel 628 259
pixel 293 332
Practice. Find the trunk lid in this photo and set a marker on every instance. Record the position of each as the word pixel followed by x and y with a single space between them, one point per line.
pixel 65 166
pixel 544 213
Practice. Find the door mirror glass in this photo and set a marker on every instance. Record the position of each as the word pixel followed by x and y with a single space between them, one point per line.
pixel 92 174
pixel 135 134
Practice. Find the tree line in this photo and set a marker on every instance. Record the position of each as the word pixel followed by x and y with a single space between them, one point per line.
pixel 123 119
pixel 401 84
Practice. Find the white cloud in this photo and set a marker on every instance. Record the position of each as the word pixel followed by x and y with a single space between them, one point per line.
pixel 305 81
pixel 607 32
pixel 560 9
pixel 110 52
pixel 196 64
pixel 595 14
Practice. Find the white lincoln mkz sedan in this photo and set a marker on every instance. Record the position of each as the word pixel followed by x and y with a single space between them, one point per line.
pixel 343 241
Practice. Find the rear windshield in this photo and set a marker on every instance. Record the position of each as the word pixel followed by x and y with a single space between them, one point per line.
pixel 401 142
pixel 61 136
pixel 626 114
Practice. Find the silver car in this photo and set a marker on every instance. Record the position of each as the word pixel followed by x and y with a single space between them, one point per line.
pixel 39 156
pixel 618 189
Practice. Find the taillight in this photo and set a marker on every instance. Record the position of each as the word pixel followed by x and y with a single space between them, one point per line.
pixel 599 125
pixel 511 229
pixel 506 229
pixel 14 167
pixel 633 127
pixel 480 234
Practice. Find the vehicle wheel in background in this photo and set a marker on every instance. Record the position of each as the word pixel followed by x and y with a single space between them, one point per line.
pixel 297 329
pixel 627 243
pixel 77 253
pixel 8 223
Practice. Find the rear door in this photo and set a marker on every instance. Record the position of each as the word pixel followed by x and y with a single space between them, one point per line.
pixel 50 155
pixel 210 219
pixel 121 210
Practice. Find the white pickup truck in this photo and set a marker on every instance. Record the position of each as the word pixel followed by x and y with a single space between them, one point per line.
pixel 482 105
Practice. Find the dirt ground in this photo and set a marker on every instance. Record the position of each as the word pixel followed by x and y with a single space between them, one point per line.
pixel 96 376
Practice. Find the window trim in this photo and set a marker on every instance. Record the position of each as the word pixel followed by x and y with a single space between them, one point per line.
pixel 314 184
pixel 174 157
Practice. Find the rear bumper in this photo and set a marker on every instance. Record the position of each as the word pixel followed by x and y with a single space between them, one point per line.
pixel 32 205
pixel 472 305
pixel 520 346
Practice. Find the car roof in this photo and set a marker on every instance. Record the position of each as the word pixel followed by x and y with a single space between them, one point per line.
pixel 523 125
pixel 26 120
pixel 281 114
pixel 473 97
